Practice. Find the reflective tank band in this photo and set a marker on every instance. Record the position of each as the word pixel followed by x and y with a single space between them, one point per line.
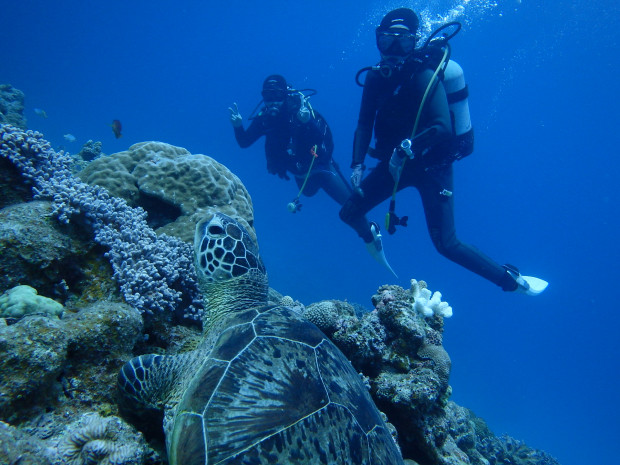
pixel 454 83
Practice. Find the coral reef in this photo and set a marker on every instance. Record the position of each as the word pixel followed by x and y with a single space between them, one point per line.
pixel 41 354
pixel 20 448
pixel 174 187
pixel 90 150
pixel 155 273
pixel 34 351
pixel 89 440
pixel 105 441
pixel 398 348
pixel 57 376
pixel 327 314
pixel 24 300
pixel 12 106
pixel 39 252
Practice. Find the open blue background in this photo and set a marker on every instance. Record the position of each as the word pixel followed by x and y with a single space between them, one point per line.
pixel 539 191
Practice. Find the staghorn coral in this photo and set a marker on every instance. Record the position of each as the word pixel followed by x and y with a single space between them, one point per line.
pixel 155 273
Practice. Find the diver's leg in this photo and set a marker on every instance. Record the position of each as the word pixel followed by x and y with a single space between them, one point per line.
pixel 374 189
pixel 335 185
pixel 436 189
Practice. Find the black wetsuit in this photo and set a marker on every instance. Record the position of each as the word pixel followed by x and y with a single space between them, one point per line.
pixel 390 105
pixel 288 148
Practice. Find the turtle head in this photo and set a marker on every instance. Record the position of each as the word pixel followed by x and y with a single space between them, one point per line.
pixel 225 250
pixel 230 272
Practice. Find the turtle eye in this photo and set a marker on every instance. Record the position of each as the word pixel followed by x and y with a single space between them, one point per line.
pixel 215 230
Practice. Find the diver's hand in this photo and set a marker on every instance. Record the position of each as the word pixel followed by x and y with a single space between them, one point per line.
pixel 396 164
pixel 235 117
pixel 356 175
pixel 398 156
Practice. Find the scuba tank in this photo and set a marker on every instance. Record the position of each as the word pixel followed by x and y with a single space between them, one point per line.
pixel 457 92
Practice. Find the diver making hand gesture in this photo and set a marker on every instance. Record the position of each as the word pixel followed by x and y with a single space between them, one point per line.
pixel 298 141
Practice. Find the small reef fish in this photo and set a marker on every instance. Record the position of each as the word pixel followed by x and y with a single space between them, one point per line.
pixel 69 137
pixel 40 112
pixel 116 128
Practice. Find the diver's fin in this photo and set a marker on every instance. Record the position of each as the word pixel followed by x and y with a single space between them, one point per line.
pixel 528 285
pixel 531 285
pixel 375 248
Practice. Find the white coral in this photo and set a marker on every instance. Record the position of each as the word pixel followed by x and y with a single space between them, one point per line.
pixel 427 303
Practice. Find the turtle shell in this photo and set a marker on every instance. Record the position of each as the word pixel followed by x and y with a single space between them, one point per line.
pixel 275 390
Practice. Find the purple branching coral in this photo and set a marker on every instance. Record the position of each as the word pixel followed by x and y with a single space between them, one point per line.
pixel 155 273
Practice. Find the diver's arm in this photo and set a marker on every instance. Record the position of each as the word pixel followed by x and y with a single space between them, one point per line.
pixel 245 138
pixel 435 127
pixel 365 122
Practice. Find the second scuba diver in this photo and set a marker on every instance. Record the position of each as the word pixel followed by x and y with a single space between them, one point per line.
pixel 297 141
pixel 419 131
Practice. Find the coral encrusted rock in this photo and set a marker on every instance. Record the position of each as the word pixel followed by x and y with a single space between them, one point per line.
pixel 12 106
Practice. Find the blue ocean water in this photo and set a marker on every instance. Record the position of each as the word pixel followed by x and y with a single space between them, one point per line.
pixel 539 190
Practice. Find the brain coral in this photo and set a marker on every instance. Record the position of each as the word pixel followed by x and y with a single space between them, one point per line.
pixel 441 360
pixel 100 440
pixel 175 187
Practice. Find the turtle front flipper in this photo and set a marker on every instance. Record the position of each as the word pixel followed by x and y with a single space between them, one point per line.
pixel 146 384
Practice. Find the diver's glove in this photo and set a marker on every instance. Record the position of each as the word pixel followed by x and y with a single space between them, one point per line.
pixel 280 172
pixel 356 175
pixel 398 155
pixel 235 117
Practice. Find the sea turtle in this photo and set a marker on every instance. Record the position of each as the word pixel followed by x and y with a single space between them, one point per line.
pixel 264 386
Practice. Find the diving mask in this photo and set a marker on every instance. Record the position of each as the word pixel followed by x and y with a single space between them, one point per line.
pixel 395 43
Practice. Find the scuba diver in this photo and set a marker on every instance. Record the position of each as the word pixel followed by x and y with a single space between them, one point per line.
pixel 416 102
pixel 297 141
